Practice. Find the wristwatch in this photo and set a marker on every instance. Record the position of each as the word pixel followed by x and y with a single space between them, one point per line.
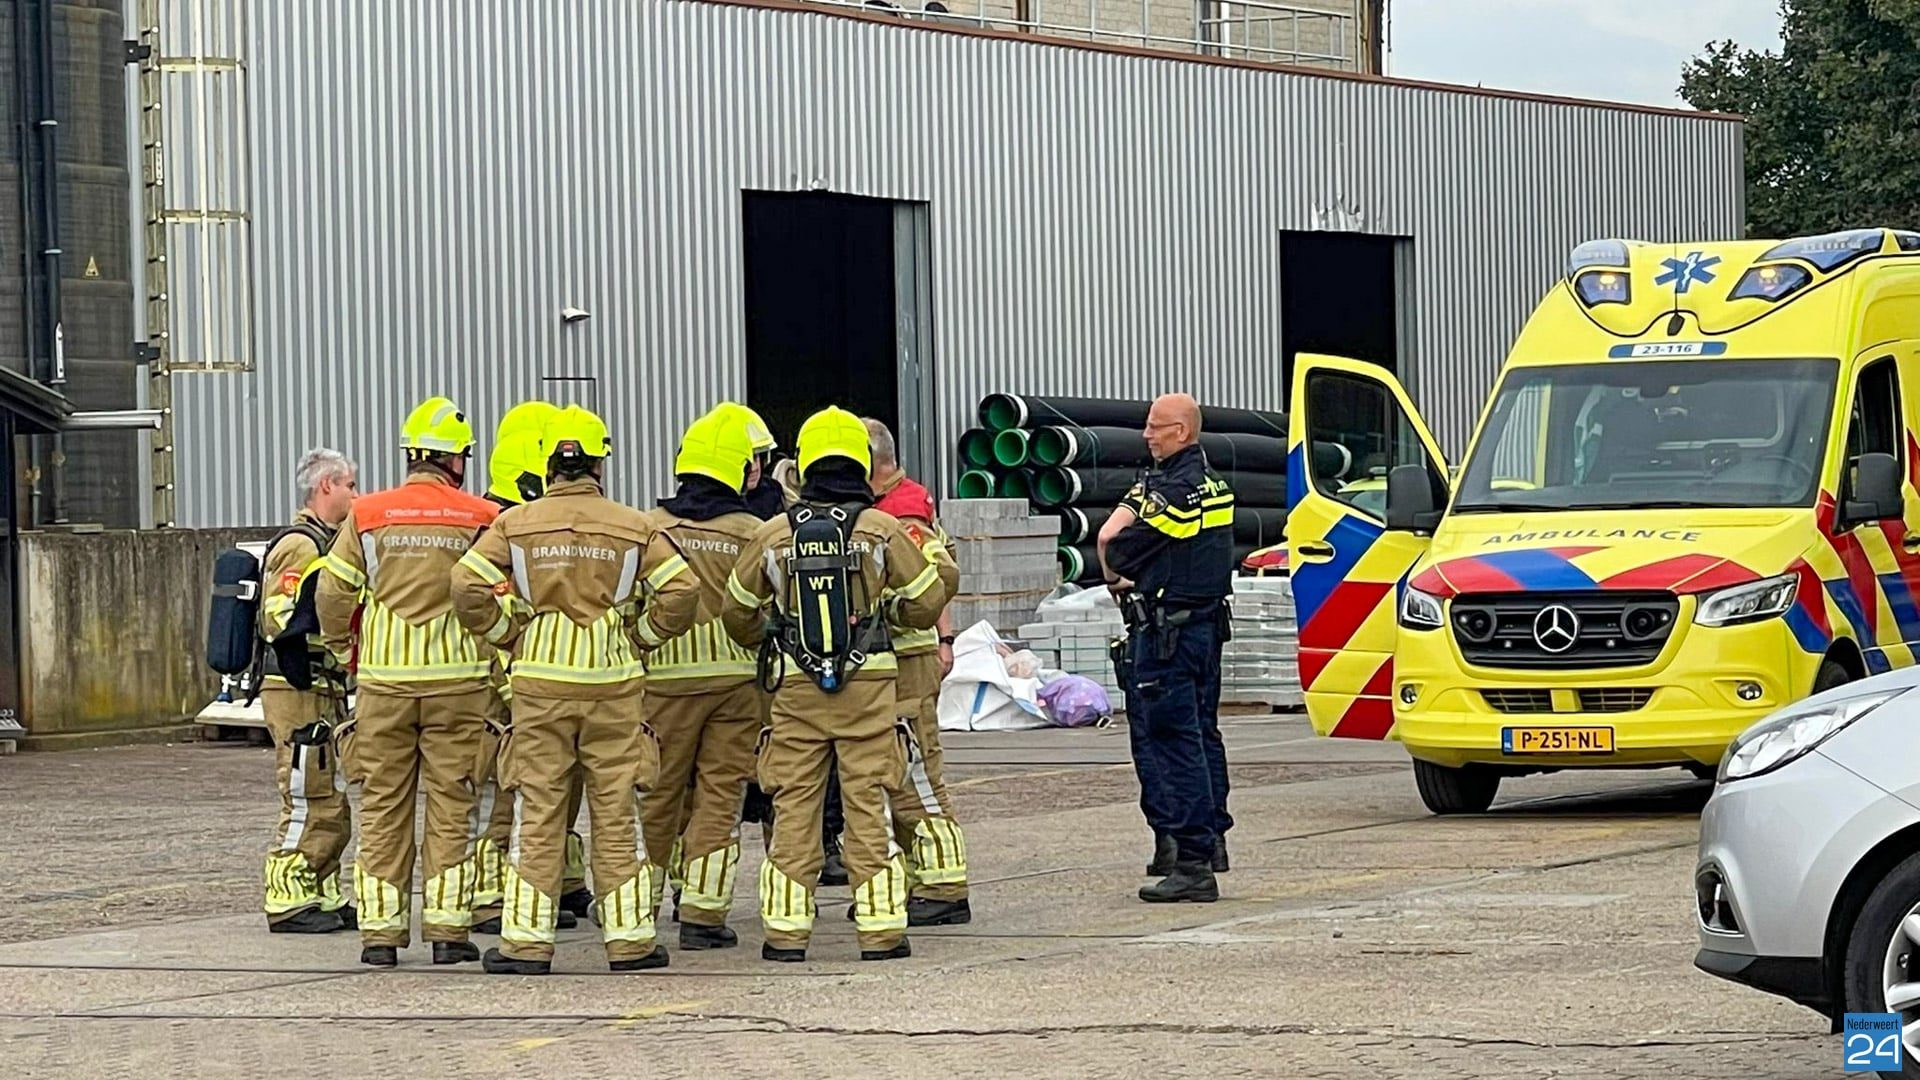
pixel 946 639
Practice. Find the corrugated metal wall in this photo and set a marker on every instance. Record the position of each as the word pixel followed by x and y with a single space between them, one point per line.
pixel 434 181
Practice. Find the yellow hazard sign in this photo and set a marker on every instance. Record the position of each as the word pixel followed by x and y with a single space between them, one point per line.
pixel 93 268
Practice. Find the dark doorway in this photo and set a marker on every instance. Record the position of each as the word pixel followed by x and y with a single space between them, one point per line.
pixel 1337 297
pixel 821 307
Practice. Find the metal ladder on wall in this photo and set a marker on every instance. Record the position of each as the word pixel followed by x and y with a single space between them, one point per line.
pixel 194 162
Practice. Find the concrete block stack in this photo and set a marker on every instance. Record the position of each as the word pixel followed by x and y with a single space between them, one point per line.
pixel 1261 665
pixel 1006 557
pixel 1076 642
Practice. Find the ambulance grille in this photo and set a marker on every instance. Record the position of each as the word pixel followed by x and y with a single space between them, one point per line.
pixel 1614 629
pixel 1519 701
pixel 1616 699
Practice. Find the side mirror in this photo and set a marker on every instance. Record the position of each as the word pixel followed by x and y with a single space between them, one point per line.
pixel 1875 494
pixel 1410 502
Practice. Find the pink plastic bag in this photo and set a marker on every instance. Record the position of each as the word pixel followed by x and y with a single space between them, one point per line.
pixel 1075 701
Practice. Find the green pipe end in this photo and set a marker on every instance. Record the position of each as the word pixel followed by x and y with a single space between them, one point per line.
pixel 976 447
pixel 1070 566
pixel 1002 412
pixel 1010 448
pixel 976 484
pixel 1016 485
pixel 1049 446
pixel 1050 488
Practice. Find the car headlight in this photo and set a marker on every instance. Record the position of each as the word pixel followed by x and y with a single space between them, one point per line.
pixel 1420 611
pixel 1789 735
pixel 1752 602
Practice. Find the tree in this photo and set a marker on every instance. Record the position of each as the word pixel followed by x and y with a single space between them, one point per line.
pixel 1833 118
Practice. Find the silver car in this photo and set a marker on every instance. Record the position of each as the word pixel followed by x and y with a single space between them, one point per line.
pixel 1808 882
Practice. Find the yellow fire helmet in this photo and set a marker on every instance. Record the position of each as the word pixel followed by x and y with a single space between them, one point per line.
pixel 575 433
pixel 833 432
pixel 437 426
pixel 717 447
pixel 515 471
pixel 759 436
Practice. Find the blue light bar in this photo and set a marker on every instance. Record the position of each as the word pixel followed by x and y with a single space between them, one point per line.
pixel 1831 251
pixel 1598 253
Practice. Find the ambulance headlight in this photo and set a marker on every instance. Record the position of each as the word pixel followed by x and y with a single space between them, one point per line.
pixel 1793 733
pixel 1752 602
pixel 1771 283
pixel 1603 287
pixel 1419 610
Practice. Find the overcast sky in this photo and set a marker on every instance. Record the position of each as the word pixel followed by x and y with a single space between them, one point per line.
pixel 1616 50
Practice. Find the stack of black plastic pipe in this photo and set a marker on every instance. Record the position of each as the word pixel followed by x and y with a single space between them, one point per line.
pixel 1076 458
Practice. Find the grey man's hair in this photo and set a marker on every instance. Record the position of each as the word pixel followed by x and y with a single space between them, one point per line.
pixel 319 464
pixel 880 443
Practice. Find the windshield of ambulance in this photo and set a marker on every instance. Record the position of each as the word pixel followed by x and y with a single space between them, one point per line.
pixel 1648 435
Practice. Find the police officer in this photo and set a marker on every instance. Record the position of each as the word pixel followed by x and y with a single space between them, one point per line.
pixel 424 694
pixel 578 589
pixel 819 588
pixel 1167 552
pixel 303 867
pixel 701 699
pixel 516 474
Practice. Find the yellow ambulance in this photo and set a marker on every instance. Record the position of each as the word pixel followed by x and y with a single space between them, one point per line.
pixel 1690 500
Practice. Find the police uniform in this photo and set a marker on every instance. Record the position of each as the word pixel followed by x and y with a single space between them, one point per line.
pixel 424 696
pixel 577 588
pixel 835 702
pixel 1179 555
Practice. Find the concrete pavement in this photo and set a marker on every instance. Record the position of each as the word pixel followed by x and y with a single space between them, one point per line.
pixel 1357 937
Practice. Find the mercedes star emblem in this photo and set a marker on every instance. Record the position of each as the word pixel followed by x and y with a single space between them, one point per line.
pixel 1556 628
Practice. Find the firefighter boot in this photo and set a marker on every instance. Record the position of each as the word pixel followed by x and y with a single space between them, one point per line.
pixel 694 937
pixel 922 911
pixel 455 952
pixel 898 952
pixel 658 958
pixel 833 871
pixel 769 951
pixel 498 963
pixel 310 921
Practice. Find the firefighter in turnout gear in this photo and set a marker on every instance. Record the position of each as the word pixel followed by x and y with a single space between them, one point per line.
pixel 815 591
pixel 516 474
pixel 424 695
pixel 922 810
pixel 577 589
pixel 303 867
pixel 767 498
pixel 702 701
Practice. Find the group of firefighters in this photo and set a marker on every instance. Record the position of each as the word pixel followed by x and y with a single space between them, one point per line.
pixel 543 648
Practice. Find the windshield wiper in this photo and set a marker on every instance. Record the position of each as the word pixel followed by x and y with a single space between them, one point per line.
pixel 1508 508
pixel 1646 504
